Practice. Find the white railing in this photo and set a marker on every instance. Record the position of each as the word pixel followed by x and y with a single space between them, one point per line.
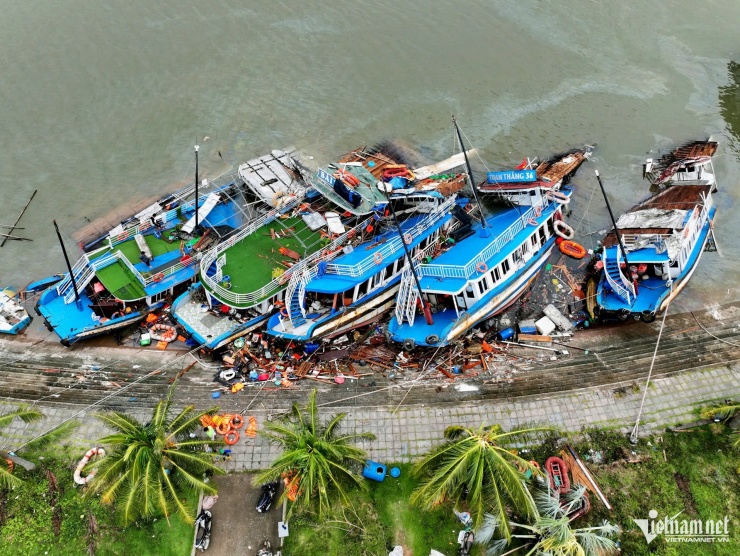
pixel 464 272
pixel 625 290
pixel 406 298
pixel 389 248
pixel 77 270
pixel 276 284
pixel 172 214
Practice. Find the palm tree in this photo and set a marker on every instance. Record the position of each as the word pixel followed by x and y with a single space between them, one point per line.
pixel 316 456
pixel 551 533
pixel 154 465
pixel 9 460
pixel 479 465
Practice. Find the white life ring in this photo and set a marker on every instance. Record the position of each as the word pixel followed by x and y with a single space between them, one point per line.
pixel 228 374
pixel 558 197
pixel 563 230
pixel 92 452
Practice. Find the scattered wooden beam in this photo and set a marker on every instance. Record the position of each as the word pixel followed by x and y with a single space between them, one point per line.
pixel 19 216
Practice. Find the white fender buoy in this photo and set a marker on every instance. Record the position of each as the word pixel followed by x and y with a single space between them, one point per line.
pixel 92 452
pixel 563 230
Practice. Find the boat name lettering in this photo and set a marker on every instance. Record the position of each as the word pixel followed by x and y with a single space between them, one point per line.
pixel 326 177
pixel 512 176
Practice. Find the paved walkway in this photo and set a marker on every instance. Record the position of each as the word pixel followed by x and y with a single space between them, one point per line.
pixel 409 431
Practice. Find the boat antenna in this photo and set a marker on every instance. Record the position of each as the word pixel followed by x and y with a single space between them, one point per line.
pixel 196 185
pixel 66 259
pixel 424 305
pixel 611 215
pixel 484 231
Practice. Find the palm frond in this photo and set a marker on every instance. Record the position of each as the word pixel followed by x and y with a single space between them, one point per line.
pixel 7 479
pixel 51 437
pixel 23 412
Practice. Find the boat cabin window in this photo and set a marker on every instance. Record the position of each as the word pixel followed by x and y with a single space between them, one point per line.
pixel 470 292
pixel 516 256
pixel 362 289
pixel 533 239
pixel 483 285
pixel 496 274
pixel 543 236
pixel 505 266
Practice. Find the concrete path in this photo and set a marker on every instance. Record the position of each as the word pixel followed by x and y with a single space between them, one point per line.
pixel 409 431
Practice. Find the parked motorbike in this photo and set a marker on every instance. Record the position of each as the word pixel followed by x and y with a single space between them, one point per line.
pixel 203 530
pixel 268 494
pixel 466 543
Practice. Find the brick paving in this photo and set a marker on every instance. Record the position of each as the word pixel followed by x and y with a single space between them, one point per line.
pixel 406 431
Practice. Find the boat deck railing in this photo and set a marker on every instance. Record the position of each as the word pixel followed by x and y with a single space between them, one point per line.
pixel 172 214
pixel 276 284
pixel 464 272
pixel 391 247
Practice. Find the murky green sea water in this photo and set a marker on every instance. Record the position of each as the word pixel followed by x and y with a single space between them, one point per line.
pixel 101 102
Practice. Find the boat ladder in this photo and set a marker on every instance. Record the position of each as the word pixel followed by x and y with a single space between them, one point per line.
pixel 623 287
pixel 83 272
pixel 406 298
pixel 295 295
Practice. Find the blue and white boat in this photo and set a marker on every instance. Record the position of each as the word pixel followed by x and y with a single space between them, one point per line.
pixel 358 286
pixel 141 265
pixel 13 317
pixel 478 276
pixel 650 255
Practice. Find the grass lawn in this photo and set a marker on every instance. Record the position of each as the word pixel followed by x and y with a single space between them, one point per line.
pixel 35 518
pixel 380 518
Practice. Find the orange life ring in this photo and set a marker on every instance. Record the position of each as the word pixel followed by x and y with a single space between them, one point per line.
pixel 283 312
pixel 572 249
pixel 224 426
pixel 123 236
pixel 351 234
pixel 378 257
pixel 237 421
pixel 231 438
pixel 538 211
pixel 408 238
pixel 158 277
pixel 535 464
pixel 481 267
pixel 532 222
pixel 11 465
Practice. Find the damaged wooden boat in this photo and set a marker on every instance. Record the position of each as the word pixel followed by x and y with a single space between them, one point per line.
pixel 689 163
pixel 532 179
pixel 655 247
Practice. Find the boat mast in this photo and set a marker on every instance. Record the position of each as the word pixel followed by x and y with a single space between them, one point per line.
pixel 66 259
pixel 196 188
pixel 611 215
pixel 424 305
pixel 484 231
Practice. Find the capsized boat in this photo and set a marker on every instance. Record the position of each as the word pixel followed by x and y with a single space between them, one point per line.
pixel 650 255
pixel 142 264
pixel 534 178
pixel 360 284
pixel 689 163
pixel 244 280
pixel 13 317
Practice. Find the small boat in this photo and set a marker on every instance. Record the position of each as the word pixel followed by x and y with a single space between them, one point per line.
pixel 487 266
pixel 141 264
pixel 654 248
pixel 572 249
pixel 557 471
pixel 13 317
pixel 40 285
pixel 689 163
pixel 534 179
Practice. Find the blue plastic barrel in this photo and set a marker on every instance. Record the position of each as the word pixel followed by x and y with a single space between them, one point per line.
pixel 374 470
pixel 506 334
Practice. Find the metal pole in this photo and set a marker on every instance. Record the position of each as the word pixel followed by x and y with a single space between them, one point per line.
pixel 66 259
pixel 484 231
pixel 614 223
pixel 196 189
pixel 409 260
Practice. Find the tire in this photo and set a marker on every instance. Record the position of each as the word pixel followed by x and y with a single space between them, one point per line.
pixel 409 344
pixel 432 339
pixel 623 314
pixel 647 316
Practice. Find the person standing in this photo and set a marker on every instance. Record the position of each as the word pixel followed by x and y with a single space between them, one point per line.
pixel 146 260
